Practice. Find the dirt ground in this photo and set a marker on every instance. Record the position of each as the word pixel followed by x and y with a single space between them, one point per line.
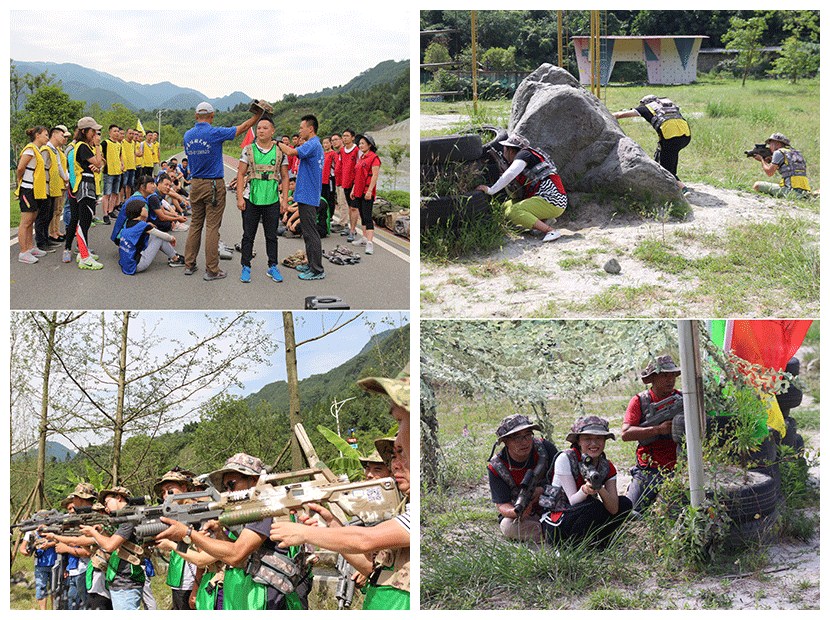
pixel 596 235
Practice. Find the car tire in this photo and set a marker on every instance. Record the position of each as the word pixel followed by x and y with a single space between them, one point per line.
pixel 747 500
pixel 454 148
pixel 454 210
pixel 793 396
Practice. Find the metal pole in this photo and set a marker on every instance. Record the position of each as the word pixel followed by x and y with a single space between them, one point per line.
pixel 559 36
pixel 475 60
pixel 692 385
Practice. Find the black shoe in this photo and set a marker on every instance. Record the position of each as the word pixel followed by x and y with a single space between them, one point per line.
pixel 58 239
pixel 107 220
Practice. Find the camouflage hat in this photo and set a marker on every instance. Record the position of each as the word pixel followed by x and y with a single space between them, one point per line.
pixel 664 363
pixel 516 141
pixel 173 475
pixel 122 491
pixel 98 507
pixel 589 425
pixel 67 500
pixel 84 490
pixel 648 99
pixel 241 463
pixel 385 449
pixel 396 389
pixel 778 137
pixel 512 424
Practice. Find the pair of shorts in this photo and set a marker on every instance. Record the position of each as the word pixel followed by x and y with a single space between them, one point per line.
pixel 43 582
pixel 112 183
pixel 128 178
pixel 28 203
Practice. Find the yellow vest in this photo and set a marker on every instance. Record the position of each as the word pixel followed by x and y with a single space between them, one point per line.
pixel 139 159
pixel 155 149
pixel 39 180
pixel 56 183
pixel 128 152
pixel 113 158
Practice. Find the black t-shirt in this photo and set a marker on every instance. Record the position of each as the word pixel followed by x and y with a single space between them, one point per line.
pixel 83 153
pixel 122 579
pixel 500 490
pixel 275 598
pixel 153 205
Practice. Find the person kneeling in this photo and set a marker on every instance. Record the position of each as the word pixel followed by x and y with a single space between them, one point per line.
pixel 141 241
pixel 583 497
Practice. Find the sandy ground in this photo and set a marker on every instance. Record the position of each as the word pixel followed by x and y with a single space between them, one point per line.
pixel 594 235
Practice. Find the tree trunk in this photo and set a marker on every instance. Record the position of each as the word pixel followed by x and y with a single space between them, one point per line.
pixel 118 427
pixel 293 387
pixel 43 426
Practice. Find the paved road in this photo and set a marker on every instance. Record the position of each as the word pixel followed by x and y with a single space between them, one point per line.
pixel 380 281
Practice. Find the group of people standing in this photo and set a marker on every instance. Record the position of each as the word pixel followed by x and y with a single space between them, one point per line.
pixel 572 494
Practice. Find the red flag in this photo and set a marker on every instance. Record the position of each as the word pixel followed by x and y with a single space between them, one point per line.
pixel 768 343
pixel 249 138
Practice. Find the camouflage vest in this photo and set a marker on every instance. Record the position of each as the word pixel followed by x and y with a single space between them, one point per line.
pixel 500 467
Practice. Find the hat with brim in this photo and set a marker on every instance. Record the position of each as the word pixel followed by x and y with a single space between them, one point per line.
pixel 240 463
pixel 516 141
pixel 87 122
pixel 369 140
pixel 385 449
pixel 122 491
pixel 205 108
pixel 590 425
pixel 513 424
pixel 778 137
pixel 172 476
pixel 663 364
pixel 84 490
pixel 65 131
pixel 396 389
pixel 67 500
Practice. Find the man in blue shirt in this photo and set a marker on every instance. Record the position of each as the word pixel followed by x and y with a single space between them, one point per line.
pixel 45 558
pixel 203 146
pixel 307 194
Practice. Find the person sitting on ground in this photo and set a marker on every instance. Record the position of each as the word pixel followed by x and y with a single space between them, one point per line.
pixel 543 196
pixel 790 164
pixel 164 216
pixel 657 451
pixel 140 241
pixel 586 507
pixel 522 454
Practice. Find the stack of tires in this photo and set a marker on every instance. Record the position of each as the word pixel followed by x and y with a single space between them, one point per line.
pixel 456 161
pixel 790 400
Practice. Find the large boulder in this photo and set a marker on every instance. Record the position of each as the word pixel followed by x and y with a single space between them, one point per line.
pixel 583 138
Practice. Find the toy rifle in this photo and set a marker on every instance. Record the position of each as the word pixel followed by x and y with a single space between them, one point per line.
pixel 345 584
pixel 762 150
pixel 50 517
pixel 659 412
pixel 594 470
pixel 71 523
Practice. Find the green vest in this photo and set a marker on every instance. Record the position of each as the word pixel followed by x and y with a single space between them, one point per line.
pixel 137 574
pixel 265 191
pixel 385 597
pixel 205 601
pixel 175 570
pixel 240 591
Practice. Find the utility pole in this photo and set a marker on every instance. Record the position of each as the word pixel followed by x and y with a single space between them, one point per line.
pixel 692 383
pixel 293 387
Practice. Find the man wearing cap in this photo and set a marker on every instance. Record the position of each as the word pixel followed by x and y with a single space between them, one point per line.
pixel 45 558
pixel 240 591
pixel 790 164
pixel 376 466
pixel 542 195
pixel 125 575
pixel 203 147
pixel 523 456
pixel 585 500
pixel 657 451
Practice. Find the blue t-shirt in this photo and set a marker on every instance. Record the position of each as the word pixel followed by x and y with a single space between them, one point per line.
pixel 309 172
pixel 45 557
pixel 203 146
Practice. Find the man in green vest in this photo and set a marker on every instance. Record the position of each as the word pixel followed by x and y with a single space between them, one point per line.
pixel 264 198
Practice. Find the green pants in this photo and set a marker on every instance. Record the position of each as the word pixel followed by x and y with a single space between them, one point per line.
pixel 526 213
pixel 780 191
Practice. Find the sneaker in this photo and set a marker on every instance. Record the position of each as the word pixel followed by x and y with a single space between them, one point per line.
pixel 370 248
pixel 209 277
pixel 686 191
pixel 176 261
pixel 224 246
pixel 275 274
pixel 180 226
pixel 189 271
pixel 552 236
pixel 37 252
pixel 225 254
pixel 27 258
pixel 361 241
pixel 350 237
pixel 90 263
pixel 67 256
pixel 246 274
pixel 344 232
pixel 238 247
pixel 91 254
pixel 302 267
pixel 47 248
pixel 107 220
pixel 59 239
pixel 310 275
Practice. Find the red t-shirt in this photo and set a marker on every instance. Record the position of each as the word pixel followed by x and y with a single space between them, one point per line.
pixel 328 166
pixel 348 160
pixel 662 452
pixel 363 174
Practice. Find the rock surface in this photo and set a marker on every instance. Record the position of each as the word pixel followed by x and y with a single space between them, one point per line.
pixel 583 138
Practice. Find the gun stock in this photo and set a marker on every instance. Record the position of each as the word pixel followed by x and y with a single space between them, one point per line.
pixel 661 411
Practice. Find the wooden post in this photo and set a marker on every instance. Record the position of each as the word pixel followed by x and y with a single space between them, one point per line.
pixel 559 37
pixel 293 386
pixel 475 60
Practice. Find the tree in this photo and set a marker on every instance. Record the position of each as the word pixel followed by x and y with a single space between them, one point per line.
pixel 49 105
pixel 436 52
pixel 396 154
pixel 499 58
pixel 745 36
pixel 800 51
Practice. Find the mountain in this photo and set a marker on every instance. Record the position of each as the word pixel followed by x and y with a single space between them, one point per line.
pixel 54 452
pixel 383 73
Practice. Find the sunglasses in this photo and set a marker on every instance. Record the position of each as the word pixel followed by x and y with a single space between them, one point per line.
pixel 230 485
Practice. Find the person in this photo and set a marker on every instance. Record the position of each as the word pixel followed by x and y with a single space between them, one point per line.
pixel 184 170
pixel 155 158
pixel 267 172
pixel 587 509
pixel 364 189
pixel 128 176
pixel 241 591
pixel 32 192
pixel 521 455
pixel 203 147
pixel 376 466
pixel 125 574
pixel 58 180
pixel 543 195
pixel 142 155
pixel 349 153
pixel 140 241
pixel 45 558
pixel 307 194
pixel 673 133
pixel 340 213
pixel 396 390
pixel 88 161
pixel 328 192
pixel 114 166
pixel 658 456
pixel 790 164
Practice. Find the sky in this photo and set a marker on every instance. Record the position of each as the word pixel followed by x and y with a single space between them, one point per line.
pixel 264 54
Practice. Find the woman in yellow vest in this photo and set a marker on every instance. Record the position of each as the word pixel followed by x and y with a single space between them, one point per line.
pixel 32 191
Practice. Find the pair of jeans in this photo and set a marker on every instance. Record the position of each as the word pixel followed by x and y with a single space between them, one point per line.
pixel 126 599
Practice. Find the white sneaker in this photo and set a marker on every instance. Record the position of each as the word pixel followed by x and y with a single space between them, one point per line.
pixel 36 252
pixel 552 236
pixel 361 241
pixel 370 248
pixel 27 258
pixel 91 255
